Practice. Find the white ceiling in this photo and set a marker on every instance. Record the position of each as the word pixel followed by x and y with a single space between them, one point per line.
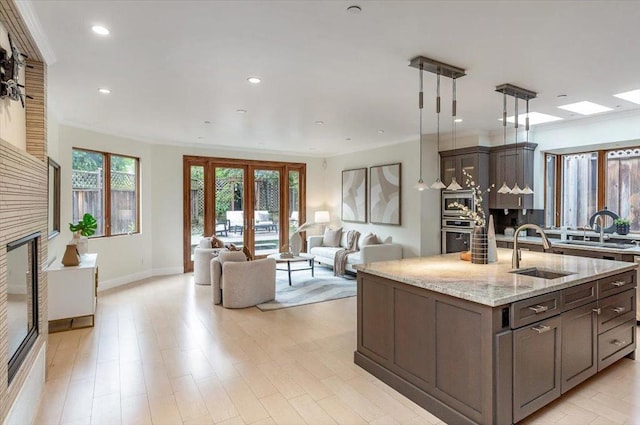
pixel 171 65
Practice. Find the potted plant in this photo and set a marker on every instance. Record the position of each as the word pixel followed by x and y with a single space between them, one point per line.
pixel 85 227
pixel 622 225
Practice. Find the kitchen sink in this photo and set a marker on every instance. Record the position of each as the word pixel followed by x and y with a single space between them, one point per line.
pixel 600 245
pixel 542 273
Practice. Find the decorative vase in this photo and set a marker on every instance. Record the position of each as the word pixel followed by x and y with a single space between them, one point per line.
pixel 479 249
pixel 71 256
pixel 492 248
pixel 622 229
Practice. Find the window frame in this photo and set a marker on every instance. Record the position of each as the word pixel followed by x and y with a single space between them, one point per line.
pixel 601 177
pixel 107 190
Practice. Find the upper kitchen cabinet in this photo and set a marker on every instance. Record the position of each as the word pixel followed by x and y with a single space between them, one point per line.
pixel 508 164
pixel 474 160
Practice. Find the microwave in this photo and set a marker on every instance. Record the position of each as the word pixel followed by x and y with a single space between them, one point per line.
pixel 462 197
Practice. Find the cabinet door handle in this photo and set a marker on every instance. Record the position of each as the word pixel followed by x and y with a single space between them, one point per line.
pixel 619 283
pixel 539 308
pixel 618 309
pixel 597 310
pixel 619 343
pixel 541 328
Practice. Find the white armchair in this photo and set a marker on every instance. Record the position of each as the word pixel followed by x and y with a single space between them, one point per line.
pixel 238 283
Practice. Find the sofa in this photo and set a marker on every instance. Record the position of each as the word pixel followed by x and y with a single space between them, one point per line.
pixel 374 249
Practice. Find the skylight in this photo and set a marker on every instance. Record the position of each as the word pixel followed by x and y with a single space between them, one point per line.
pixel 585 108
pixel 534 118
pixel 630 96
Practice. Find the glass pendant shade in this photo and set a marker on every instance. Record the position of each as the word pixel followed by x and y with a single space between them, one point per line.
pixel 454 185
pixel 437 184
pixel 420 186
pixel 504 188
pixel 527 190
pixel 516 190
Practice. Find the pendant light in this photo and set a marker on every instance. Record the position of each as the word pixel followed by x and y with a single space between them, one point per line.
pixel 440 69
pixel 454 184
pixel 515 190
pixel 438 185
pixel 421 185
pixel 504 188
pixel 527 190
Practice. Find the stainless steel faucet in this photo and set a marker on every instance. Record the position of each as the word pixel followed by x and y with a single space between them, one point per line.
pixel 600 222
pixel 515 259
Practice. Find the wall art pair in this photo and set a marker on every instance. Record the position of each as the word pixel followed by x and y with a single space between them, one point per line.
pixel 383 198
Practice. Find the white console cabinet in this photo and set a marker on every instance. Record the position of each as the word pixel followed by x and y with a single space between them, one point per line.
pixel 73 291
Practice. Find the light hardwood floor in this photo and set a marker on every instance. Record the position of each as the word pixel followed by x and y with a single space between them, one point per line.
pixel 161 353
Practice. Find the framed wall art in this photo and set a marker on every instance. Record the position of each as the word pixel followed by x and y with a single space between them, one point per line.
pixel 384 194
pixel 354 195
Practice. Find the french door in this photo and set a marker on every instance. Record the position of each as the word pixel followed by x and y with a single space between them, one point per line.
pixel 253 204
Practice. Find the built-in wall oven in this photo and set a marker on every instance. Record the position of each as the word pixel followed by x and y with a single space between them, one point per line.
pixel 460 197
pixel 456 234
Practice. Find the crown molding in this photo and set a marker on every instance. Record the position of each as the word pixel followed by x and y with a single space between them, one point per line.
pixel 25 7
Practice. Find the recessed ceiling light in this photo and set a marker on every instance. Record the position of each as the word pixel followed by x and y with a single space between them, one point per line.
pixel 585 108
pixel 380 131
pixel 348 139
pixel 207 122
pixel 241 111
pixel 200 137
pixel 458 120
pixel 354 9
pixel 100 30
pixel 562 95
pixel 631 96
pixel 254 80
pixel 534 118
pixel 318 122
pixel 104 91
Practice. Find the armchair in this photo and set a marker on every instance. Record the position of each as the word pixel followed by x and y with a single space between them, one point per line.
pixel 238 283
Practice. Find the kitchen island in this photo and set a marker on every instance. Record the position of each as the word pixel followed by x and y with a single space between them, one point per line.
pixel 477 344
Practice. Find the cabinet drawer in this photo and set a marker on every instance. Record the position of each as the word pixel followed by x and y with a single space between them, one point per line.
pixel 533 309
pixel 616 343
pixel 617 283
pixel 578 295
pixel 615 310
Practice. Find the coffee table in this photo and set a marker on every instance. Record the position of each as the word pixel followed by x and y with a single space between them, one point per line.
pixel 295 259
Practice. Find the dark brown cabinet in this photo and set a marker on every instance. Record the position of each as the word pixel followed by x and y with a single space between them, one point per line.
pixel 474 160
pixel 470 363
pixel 579 345
pixel 507 164
pixel 536 366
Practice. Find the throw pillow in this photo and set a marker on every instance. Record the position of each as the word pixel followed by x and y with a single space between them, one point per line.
pixel 368 239
pixel 332 237
pixel 216 242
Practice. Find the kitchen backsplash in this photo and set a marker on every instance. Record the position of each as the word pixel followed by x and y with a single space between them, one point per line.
pixel 515 218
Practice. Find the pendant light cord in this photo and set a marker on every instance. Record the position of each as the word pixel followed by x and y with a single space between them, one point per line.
pixel 420 106
pixel 516 126
pixel 438 110
pixel 504 131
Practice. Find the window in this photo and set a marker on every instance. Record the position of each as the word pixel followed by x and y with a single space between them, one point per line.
pixel 578 185
pixel 106 186
pixel 579 188
pixel 623 185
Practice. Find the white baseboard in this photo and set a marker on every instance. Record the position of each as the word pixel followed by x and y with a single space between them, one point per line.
pixel 23 410
pixel 123 280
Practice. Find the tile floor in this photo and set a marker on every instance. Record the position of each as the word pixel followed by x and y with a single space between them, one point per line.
pixel 160 353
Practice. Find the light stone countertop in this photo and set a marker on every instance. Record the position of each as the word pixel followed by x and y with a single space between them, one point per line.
pixel 635 250
pixel 492 284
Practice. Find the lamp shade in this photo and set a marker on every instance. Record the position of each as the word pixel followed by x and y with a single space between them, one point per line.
pixel 321 217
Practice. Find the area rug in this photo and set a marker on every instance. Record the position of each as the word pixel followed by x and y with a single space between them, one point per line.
pixel 305 289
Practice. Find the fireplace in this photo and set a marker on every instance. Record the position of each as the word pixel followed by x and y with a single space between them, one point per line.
pixel 22 299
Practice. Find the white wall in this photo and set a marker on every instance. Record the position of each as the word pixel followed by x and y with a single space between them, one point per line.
pixel 12 114
pixel 419 232
pixel 56 244
pixel 157 249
